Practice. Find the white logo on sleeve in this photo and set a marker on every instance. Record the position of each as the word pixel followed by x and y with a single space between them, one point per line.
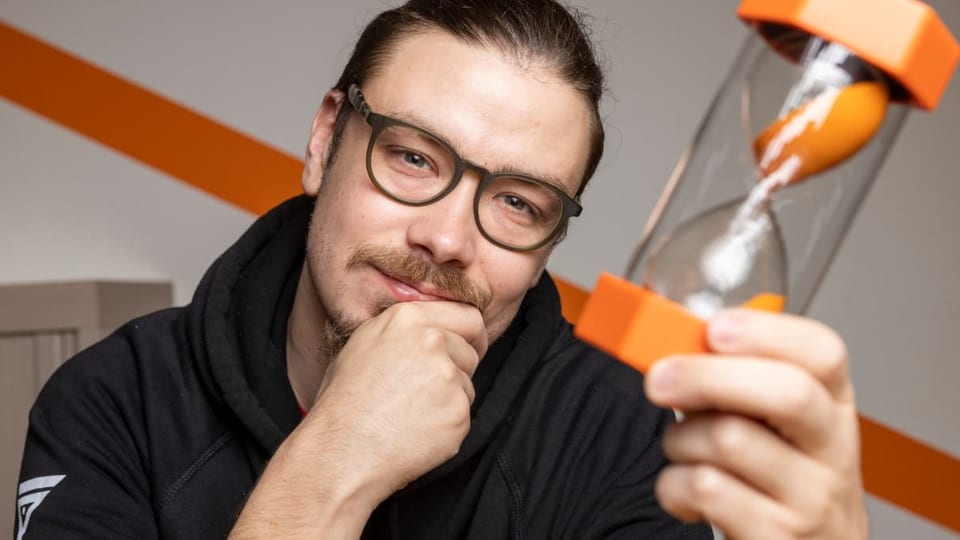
pixel 29 496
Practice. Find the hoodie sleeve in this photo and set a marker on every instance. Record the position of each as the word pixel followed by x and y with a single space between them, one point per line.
pixel 83 474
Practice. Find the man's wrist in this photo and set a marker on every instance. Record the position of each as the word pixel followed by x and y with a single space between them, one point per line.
pixel 307 490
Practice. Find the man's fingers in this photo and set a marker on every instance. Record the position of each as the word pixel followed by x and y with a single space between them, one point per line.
pixel 781 394
pixel 703 492
pixel 466 359
pixel 747 450
pixel 461 319
pixel 770 449
pixel 798 340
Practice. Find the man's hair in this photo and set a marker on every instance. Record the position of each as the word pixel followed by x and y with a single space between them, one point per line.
pixel 532 31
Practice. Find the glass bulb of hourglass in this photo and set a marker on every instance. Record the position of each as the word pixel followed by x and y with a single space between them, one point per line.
pixel 724 257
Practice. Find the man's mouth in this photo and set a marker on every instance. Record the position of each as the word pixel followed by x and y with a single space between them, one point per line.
pixel 407 291
pixel 409 278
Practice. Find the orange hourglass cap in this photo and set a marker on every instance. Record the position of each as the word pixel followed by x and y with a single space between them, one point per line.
pixel 903 38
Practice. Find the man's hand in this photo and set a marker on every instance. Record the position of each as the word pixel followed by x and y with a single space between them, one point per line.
pixel 393 404
pixel 397 398
pixel 770 445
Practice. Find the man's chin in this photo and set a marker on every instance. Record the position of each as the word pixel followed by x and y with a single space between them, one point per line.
pixel 339 326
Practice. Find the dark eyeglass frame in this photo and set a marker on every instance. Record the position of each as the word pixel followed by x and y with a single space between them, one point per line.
pixel 379 122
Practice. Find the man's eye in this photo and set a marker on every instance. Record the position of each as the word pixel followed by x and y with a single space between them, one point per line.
pixel 415 160
pixel 519 205
pixel 408 161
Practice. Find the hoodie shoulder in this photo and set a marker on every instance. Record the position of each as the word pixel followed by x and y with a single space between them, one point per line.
pixel 129 428
pixel 115 363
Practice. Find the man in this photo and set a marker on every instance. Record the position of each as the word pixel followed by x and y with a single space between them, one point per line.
pixel 385 357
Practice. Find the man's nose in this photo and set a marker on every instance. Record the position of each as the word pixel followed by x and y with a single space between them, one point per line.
pixel 446 230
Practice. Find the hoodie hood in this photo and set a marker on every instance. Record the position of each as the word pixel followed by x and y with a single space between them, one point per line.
pixel 237 328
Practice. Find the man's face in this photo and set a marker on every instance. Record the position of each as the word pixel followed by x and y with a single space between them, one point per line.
pixel 366 251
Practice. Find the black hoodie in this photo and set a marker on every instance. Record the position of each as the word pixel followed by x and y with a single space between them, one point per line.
pixel 161 429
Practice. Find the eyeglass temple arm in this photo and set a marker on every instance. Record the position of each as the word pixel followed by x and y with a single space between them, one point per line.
pixel 356 99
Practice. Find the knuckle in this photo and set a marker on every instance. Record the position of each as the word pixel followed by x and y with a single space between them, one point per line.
pixel 730 437
pixel 472 359
pixel 668 491
pixel 818 509
pixel 464 408
pixel 407 310
pixel 808 523
pixel 463 420
pixel 395 310
pixel 671 438
pixel 449 449
pixel 432 338
pixel 448 373
pixel 831 349
pixel 835 355
pixel 458 417
pixel 802 397
pixel 706 483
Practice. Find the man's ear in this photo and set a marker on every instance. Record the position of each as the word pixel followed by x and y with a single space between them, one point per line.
pixel 321 134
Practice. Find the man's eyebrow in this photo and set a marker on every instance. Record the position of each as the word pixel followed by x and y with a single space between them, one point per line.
pixel 422 123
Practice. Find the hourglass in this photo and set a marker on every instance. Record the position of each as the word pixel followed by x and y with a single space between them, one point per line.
pixel 759 203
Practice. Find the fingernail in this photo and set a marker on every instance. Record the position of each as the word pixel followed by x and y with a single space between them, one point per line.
pixel 725 329
pixel 662 375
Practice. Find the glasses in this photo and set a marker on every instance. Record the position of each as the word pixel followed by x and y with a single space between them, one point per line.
pixel 415 167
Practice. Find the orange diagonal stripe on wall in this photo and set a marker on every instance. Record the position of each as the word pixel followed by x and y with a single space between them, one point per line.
pixel 144 125
pixel 253 176
pixel 910 474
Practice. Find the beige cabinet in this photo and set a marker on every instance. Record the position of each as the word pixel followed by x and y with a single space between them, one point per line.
pixel 42 325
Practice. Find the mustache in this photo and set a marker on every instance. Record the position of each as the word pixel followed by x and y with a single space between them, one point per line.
pixel 451 282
